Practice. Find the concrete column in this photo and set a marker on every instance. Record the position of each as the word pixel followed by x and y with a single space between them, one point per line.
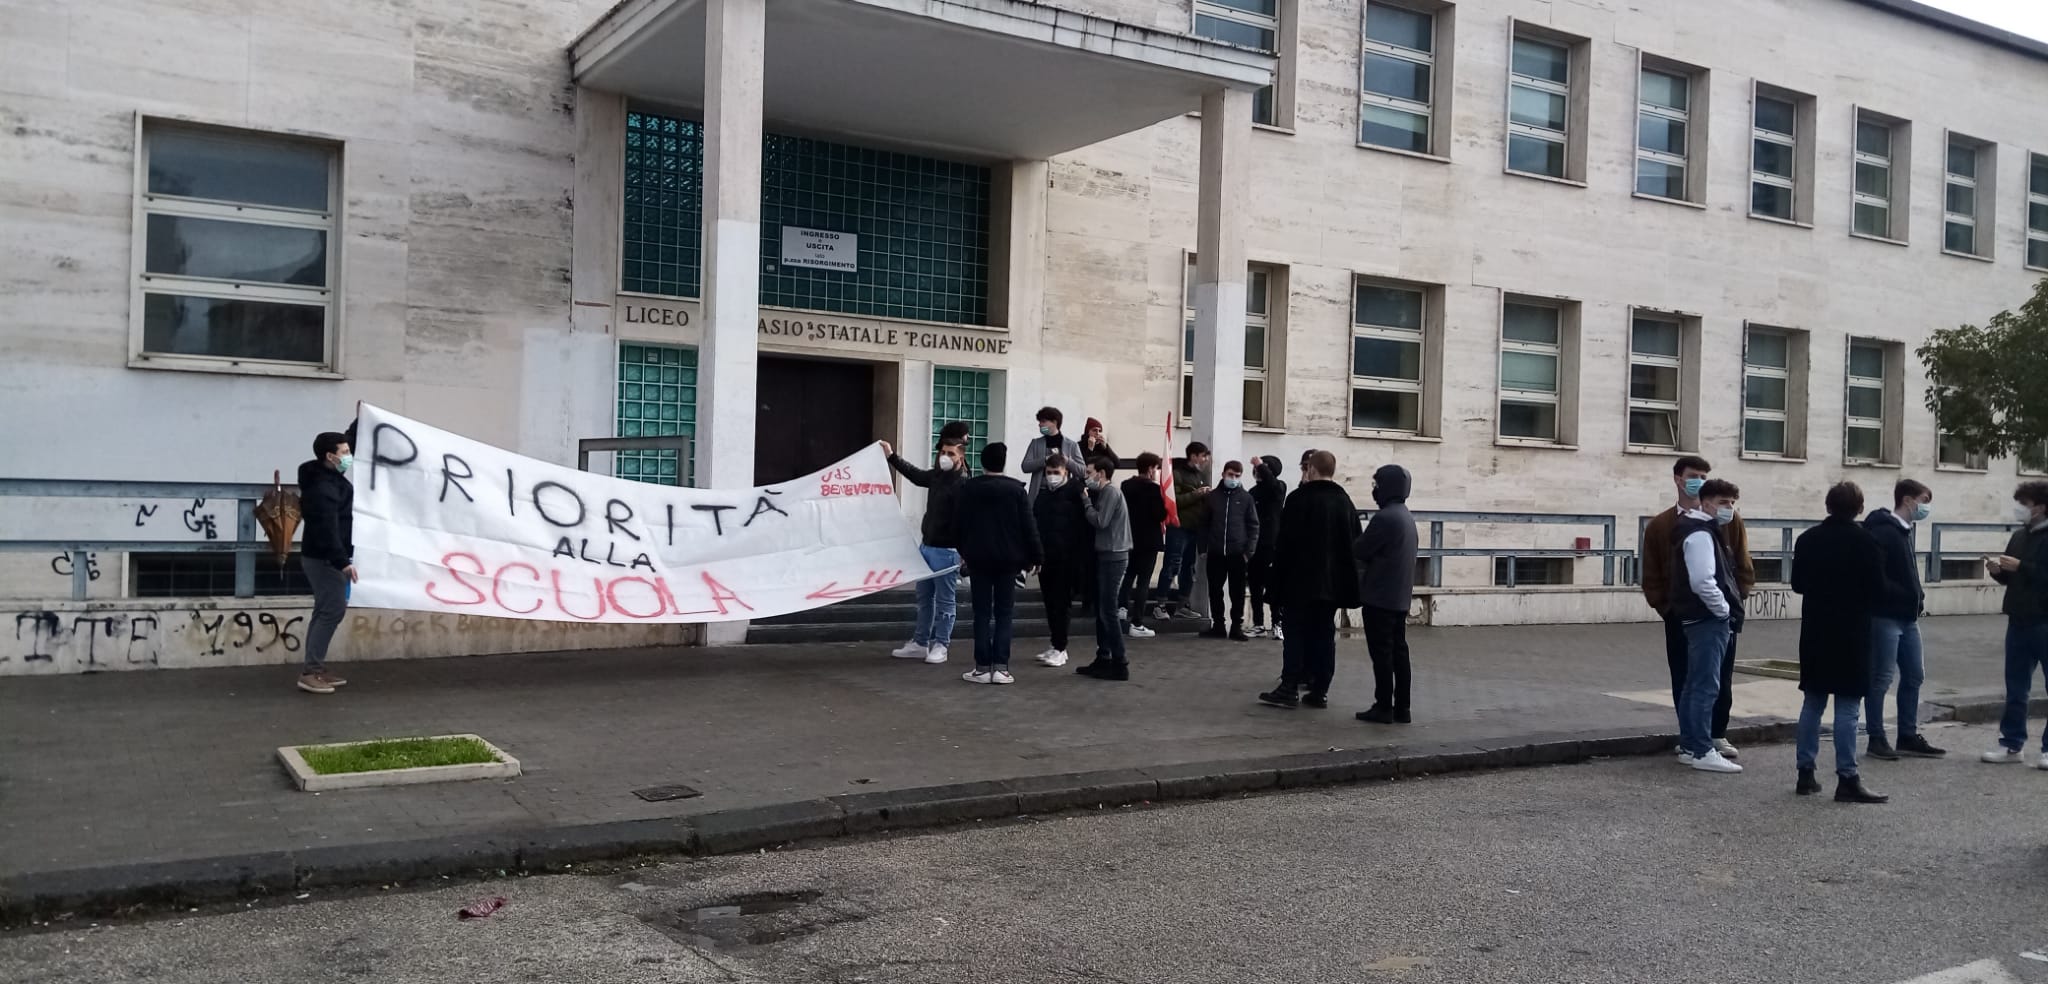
pixel 733 65
pixel 1017 261
pixel 1220 272
pixel 913 437
pixel 569 379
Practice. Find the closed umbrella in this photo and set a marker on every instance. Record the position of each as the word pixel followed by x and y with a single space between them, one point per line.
pixel 278 514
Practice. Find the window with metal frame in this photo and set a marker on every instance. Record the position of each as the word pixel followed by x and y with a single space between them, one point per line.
pixel 1399 70
pixel 1511 572
pixel 2037 211
pixel 238 247
pixel 1539 107
pixel 1387 326
pixel 1251 24
pixel 1863 406
pixel 1959 199
pixel 1655 365
pixel 1531 360
pixel 1258 306
pixel 962 395
pixel 1767 393
pixel 1950 452
pixel 1773 164
pixel 2033 459
pixel 1663 118
pixel 212 575
pixel 657 398
pixel 1873 201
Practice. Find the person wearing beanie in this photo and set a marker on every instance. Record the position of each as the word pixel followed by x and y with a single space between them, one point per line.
pixel 1093 445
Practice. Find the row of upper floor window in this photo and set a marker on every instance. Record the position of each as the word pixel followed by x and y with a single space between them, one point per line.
pixel 1405 88
pixel 1398 372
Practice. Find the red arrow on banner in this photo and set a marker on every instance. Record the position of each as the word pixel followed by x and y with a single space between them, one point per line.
pixel 872 582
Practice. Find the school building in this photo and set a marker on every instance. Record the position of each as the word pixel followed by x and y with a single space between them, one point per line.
pixel 1529 249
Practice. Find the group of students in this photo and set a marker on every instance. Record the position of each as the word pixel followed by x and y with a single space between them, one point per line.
pixel 1859 627
pixel 1301 556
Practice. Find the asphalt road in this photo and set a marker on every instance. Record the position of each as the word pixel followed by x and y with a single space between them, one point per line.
pixel 1624 871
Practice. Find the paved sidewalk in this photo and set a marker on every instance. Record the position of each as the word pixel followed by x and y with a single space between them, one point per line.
pixel 146 767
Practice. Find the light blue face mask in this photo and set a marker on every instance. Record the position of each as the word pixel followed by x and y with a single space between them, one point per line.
pixel 1692 487
pixel 1724 515
pixel 1921 511
pixel 1045 430
pixel 1231 483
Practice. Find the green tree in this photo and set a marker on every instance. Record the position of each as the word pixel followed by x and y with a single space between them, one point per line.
pixel 1988 386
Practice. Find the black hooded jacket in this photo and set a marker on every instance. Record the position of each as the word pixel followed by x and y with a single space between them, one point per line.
pixel 1269 493
pixel 1386 550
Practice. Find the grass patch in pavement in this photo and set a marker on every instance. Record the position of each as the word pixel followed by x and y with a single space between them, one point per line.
pixel 395 753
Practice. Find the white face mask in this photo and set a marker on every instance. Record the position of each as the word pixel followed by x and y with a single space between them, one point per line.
pixel 2022 513
pixel 946 463
pixel 1055 481
pixel 1724 515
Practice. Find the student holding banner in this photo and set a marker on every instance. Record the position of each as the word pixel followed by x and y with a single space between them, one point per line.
pixel 938 597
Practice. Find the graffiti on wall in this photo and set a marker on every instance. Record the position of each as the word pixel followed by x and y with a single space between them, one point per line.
pixel 1769 603
pixel 101 640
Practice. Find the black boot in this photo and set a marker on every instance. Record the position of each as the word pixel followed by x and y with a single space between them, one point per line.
pixel 1115 672
pixel 1376 714
pixel 1849 789
pixel 1808 785
pixel 1215 631
pixel 1281 696
pixel 1401 716
pixel 1237 633
pixel 1094 669
pixel 1880 748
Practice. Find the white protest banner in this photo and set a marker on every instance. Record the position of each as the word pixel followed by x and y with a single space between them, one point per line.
pixel 445 523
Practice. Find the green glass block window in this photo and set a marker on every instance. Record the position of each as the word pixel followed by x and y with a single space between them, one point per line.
pixel 664 205
pixel 961 394
pixel 923 223
pixel 657 398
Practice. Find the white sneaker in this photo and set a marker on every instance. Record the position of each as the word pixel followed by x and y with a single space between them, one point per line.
pixel 2002 756
pixel 1712 762
pixel 1727 750
pixel 1002 676
pixel 1279 636
pixel 937 654
pixel 909 650
pixel 1141 632
pixel 1053 657
pixel 2042 763
pixel 978 675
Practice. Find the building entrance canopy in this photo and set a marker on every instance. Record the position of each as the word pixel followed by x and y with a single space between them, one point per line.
pixel 975 79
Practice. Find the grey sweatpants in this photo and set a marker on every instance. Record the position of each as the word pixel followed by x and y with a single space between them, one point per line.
pixel 330 602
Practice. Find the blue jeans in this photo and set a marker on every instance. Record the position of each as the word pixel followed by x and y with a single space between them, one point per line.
pixel 1896 644
pixel 1181 553
pixel 2026 649
pixel 1706 645
pixel 995 606
pixel 938 598
pixel 1109 630
pixel 1808 748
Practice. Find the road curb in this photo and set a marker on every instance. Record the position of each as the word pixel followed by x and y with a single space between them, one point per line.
pixel 125 889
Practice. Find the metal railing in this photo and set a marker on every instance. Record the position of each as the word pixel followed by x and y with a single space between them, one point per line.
pixel 682 444
pixel 1935 555
pixel 1789 529
pixel 1435 552
pixel 247 544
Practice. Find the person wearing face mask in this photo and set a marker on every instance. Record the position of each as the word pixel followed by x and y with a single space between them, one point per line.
pixel 1705 603
pixel 937 597
pixel 1049 442
pixel 1839 572
pixel 327 551
pixel 1895 624
pixel 1268 493
pixel 1067 539
pixel 1230 534
pixel 1386 586
pixel 2023 569
pixel 1111 521
pixel 1688 474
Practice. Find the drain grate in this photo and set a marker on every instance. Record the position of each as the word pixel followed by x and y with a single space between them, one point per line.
pixel 662 794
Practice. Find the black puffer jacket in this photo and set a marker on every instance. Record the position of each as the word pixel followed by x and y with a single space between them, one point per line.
pixel 1062 522
pixel 1270 493
pixel 327 504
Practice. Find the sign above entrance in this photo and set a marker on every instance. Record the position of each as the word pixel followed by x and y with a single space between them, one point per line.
pixel 820 249
pixel 675 321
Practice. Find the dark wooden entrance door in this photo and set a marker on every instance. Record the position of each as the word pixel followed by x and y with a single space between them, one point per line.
pixel 810 414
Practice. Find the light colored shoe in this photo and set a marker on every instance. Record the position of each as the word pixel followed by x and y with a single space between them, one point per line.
pixel 978 675
pixel 1279 636
pixel 1713 762
pixel 314 683
pixel 1002 677
pixel 1123 614
pixel 909 650
pixel 1053 657
pixel 1727 750
pixel 2002 756
pixel 1141 632
pixel 333 681
pixel 2042 762
pixel 936 654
